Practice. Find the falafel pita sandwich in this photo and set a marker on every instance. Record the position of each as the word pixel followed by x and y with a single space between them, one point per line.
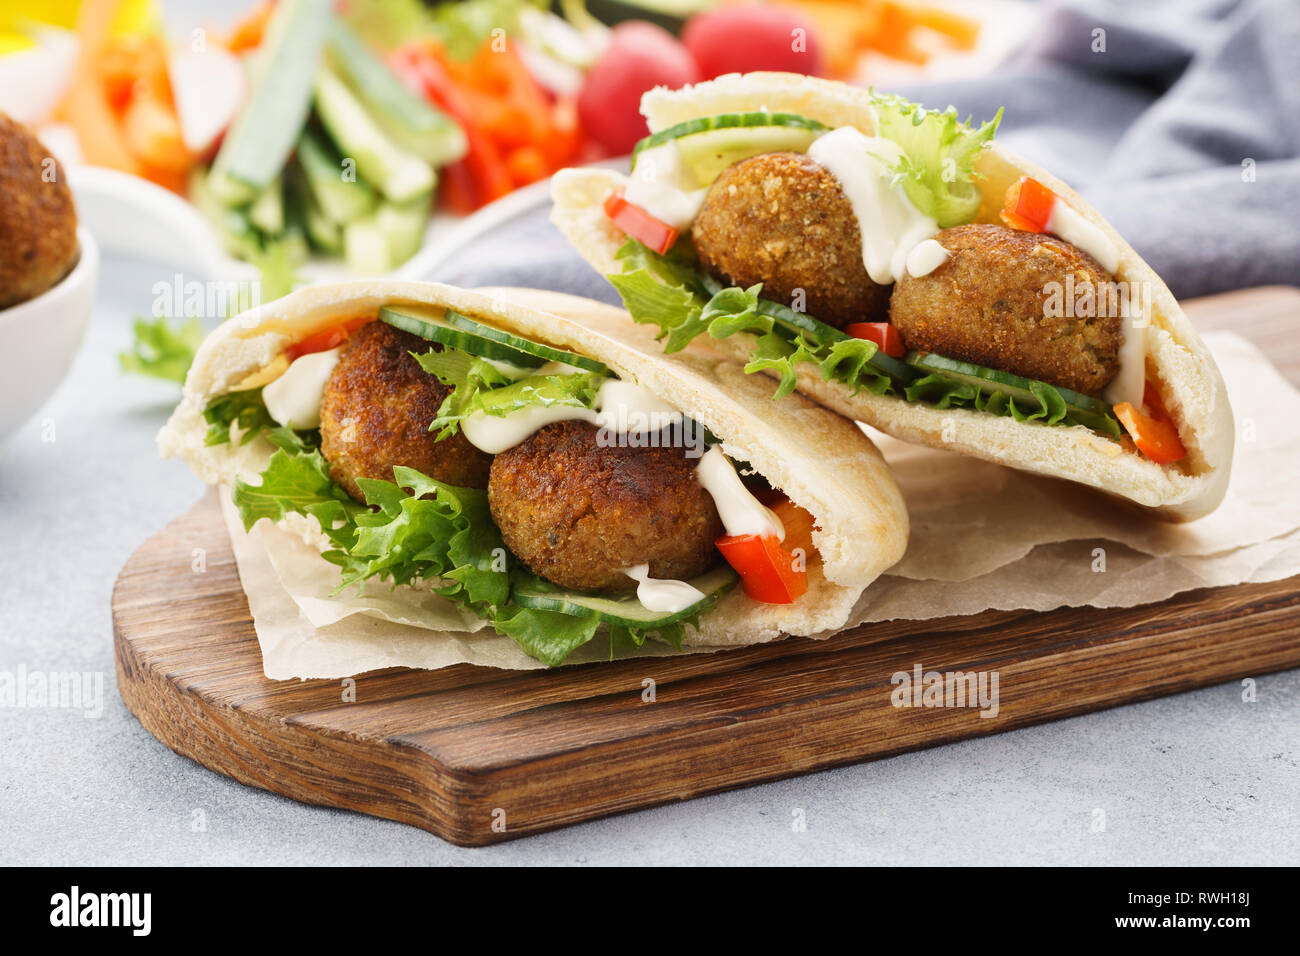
pixel 898 266
pixel 536 459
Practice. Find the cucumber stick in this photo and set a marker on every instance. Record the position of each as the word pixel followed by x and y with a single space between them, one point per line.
pixel 233 227
pixel 256 148
pixel 404 224
pixel 340 196
pixel 267 210
pixel 408 119
pixel 366 248
pixel 323 231
pixel 399 175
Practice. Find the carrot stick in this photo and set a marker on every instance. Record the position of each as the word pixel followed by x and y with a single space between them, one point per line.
pixel 85 106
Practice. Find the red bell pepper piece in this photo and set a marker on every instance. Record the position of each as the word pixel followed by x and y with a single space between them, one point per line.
pixel 883 334
pixel 325 339
pixel 1154 434
pixel 639 224
pixel 1028 205
pixel 767 571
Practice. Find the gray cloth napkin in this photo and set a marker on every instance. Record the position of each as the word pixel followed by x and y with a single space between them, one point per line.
pixel 1179 121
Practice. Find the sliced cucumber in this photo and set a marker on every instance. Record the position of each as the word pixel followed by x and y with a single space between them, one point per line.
pixel 340 199
pixel 978 375
pixel 263 135
pixel 399 175
pixel 1080 408
pixel 709 144
pixel 428 324
pixel 548 353
pixel 409 120
pixel 626 609
pixel 706 155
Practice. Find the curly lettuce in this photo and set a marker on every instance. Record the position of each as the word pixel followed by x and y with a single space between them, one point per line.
pixel 479 386
pixel 417 529
pixel 937 167
pixel 665 291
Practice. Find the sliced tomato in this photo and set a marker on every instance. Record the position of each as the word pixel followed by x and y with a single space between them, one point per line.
pixel 1154 434
pixel 882 333
pixel 325 339
pixel 768 572
pixel 639 224
pixel 1028 205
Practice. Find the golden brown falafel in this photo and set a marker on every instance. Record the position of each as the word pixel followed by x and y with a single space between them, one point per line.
pixel 988 304
pixel 376 411
pixel 577 512
pixel 781 219
pixel 38 229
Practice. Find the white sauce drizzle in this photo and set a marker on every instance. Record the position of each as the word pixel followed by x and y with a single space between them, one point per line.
pixel 509 369
pixel 623 407
pixel 1129 382
pixel 664 595
pixel 657 186
pixel 294 398
pixel 891 226
pixel 1074 229
pixel 740 511
pixel 925 257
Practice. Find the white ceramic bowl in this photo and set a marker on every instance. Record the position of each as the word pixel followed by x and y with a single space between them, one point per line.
pixel 41 337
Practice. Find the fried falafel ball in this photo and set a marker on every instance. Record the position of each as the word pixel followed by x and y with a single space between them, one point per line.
pixel 376 411
pixel 781 219
pixel 38 231
pixel 988 304
pixel 576 512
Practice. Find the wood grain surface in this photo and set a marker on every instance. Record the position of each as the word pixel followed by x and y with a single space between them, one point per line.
pixel 478 755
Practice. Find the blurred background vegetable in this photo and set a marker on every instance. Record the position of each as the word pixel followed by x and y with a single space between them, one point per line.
pixel 340 127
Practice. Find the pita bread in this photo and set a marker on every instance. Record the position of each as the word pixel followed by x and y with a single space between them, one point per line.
pixel 822 461
pixel 1188 380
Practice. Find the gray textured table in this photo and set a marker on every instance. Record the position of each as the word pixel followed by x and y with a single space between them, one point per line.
pixel 1198 778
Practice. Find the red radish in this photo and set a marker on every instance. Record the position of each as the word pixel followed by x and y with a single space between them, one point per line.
pixel 208 88
pixel 640 56
pixel 740 39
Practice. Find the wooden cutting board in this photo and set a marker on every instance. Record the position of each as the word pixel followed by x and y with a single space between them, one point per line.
pixel 478 755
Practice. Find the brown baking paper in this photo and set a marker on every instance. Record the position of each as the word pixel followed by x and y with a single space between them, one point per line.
pixel 983 537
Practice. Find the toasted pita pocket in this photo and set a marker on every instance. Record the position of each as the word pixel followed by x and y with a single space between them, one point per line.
pixel 823 462
pixel 1188 380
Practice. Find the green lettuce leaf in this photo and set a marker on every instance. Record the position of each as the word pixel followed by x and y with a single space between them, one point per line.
pixel 665 291
pixel 549 636
pixel 478 386
pixel 244 409
pixel 297 480
pixel 416 528
pixel 161 351
pixel 937 170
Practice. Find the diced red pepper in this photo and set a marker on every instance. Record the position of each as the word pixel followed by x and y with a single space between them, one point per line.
pixel 768 572
pixel 639 224
pixel 1028 205
pixel 1154 434
pixel 883 334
